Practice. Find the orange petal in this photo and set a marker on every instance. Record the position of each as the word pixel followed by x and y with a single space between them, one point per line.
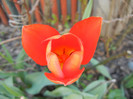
pixel 88 30
pixel 65 81
pixel 76 77
pixel 67 40
pixel 32 38
pixel 54 65
pixel 53 78
pixel 72 64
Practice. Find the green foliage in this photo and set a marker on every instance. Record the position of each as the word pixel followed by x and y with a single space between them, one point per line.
pixel 83 85
pixel 59 92
pixel 54 19
pixel 80 82
pixel 84 76
pixel 7 55
pixel 4 97
pixel 73 87
pixel 101 68
pixel 98 87
pixel 5 75
pixel 89 77
pixel 19 60
pixel 37 81
pixel 8 90
pixel 73 96
pixel 116 94
pixel 66 25
pixel 68 93
pixel 112 47
pixel 128 81
pixel 88 9
pixel 88 96
pixel 17 63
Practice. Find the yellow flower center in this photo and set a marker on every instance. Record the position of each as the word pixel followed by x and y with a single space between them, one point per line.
pixel 63 53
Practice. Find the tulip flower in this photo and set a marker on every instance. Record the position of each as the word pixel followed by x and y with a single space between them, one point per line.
pixel 63 54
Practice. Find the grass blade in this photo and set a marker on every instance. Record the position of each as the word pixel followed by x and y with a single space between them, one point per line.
pixel 7 56
pixel 20 60
pixel 88 9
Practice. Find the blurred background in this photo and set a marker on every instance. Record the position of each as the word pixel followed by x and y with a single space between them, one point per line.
pixel 109 75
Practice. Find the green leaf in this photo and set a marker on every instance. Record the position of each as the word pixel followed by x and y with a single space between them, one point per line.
pixel 38 81
pixel 4 57
pixel 59 92
pixel 128 81
pixel 4 97
pixel 88 9
pixel 129 84
pixel 104 71
pixel 89 77
pixel 88 96
pixel 116 94
pixel 73 87
pixel 8 55
pixel 68 93
pixel 80 96
pixel 5 75
pixel 9 81
pixel 12 90
pixel 97 88
pixel 8 88
pixel 54 19
pixel 101 68
pixel 73 96
pixel 19 60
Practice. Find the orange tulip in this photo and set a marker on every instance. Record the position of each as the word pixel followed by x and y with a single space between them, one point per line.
pixel 63 54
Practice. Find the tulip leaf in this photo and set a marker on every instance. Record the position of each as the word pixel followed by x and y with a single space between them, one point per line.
pixel 101 68
pixel 5 75
pixel 7 88
pixel 68 93
pixel 97 88
pixel 9 81
pixel 37 81
pixel 104 71
pixel 77 96
pixel 73 96
pixel 128 81
pixel 73 87
pixel 12 90
pixel 116 94
pixel 59 92
pixel 88 9
pixel 89 96
pixel 4 97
